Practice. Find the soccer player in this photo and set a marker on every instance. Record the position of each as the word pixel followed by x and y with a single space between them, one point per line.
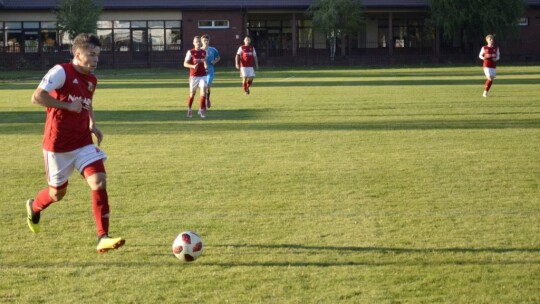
pixel 490 54
pixel 196 63
pixel 212 57
pixel 66 91
pixel 244 59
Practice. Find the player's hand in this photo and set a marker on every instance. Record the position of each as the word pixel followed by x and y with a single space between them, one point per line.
pixel 195 66
pixel 237 67
pixel 98 134
pixel 75 106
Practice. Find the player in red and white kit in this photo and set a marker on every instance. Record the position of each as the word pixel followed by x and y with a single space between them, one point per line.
pixel 67 91
pixel 245 59
pixel 490 54
pixel 195 61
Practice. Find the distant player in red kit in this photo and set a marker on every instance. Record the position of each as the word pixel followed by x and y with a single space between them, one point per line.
pixel 195 61
pixel 66 91
pixel 245 58
pixel 490 54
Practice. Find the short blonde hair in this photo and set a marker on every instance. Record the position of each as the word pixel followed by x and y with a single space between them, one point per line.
pixel 489 36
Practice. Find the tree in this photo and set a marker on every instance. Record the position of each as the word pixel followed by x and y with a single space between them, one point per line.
pixel 336 18
pixel 473 20
pixel 78 16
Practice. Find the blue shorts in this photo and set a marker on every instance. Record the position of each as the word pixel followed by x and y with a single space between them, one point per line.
pixel 209 78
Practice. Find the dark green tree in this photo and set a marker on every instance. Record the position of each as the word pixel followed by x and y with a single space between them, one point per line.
pixel 336 18
pixel 78 16
pixel 473 19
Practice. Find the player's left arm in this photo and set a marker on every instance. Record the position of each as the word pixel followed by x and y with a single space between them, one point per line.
pixel 216 57
pixel 93 128
pixel 498 55
pixel 255 59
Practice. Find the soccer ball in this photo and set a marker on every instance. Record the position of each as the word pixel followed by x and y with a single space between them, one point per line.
pixel 188 246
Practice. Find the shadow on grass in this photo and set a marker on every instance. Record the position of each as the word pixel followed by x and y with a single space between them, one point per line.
pixel 386 256
pixel 155 122
pixel 327 83
pixel 182 84
pixel 175 114
pixel 385 250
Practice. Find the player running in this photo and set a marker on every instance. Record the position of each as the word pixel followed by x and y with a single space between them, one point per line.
pixel 245 57
pixel 196 63
pixel 490 54
pixel 212 57
pixel 66 91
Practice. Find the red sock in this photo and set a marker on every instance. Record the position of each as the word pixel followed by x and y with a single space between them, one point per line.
pixel 190 101
pixel 245 86
pixel 249 82
pixel 100 207
pixel 488 84
pixel 202 103
pixel 42 200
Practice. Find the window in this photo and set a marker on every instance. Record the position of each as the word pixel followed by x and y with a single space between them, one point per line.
pixel 105 35
pixel 31 34
pixel 173 35
pixel 274 37
pixel 140 35
pixel 14 37
pixel 213 24
pixel 138 24
pixel 65 42
pixel 523 21
pixel 104 24
pixel 106 38
pixel 406 33
pixel 121 40
pixel 1 35
pixel 121 24
pixel 256 24
pixel 156 35
pixel 31 25
pixel 305 34
pixel 115 35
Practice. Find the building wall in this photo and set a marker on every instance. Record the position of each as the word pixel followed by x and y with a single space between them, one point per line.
pixel 27 16
pixel 372 33
pixel 106 15
pixel 226 41
pixel 141 15
pixel 530 34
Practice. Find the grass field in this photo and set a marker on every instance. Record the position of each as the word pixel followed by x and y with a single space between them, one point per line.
pixel 323 186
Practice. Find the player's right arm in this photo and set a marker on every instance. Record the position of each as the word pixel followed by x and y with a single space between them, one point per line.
pixel 237 58
pixel 481 55
pixel 187 61
pixel 53 80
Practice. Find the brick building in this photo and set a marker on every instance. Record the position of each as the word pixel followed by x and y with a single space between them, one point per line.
pixel 139 33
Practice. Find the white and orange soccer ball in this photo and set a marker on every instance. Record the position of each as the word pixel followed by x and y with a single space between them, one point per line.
pixel 187 246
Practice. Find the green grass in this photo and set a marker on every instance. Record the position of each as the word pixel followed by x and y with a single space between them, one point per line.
pixel 322 186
